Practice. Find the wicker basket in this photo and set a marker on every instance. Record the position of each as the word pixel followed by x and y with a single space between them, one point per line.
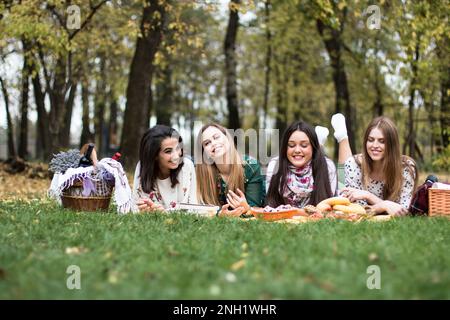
pixel 71 198
pixel 85 203
pixel 439 202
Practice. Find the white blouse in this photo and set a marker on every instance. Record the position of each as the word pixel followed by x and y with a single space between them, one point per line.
pixel 331 173
pixel 184 192
pixel 353 179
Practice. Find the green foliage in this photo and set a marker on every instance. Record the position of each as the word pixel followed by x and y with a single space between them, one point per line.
pixel 441 161
pixel 157 256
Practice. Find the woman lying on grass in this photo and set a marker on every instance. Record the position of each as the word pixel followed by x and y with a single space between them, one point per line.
pixel 380 176
pixel 163 178
pixel 225 178
pixel 302 175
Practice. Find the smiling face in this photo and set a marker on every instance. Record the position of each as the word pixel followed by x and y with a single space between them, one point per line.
pixel 169 156
pixel 215 143
pixel 375 144
pixel 299 149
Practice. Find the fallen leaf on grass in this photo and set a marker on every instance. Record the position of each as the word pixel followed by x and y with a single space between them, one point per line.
pixel 76 250
pixel 373 256
pixel 230 277
pixel 238 265
pixel 214 290
pixel 113 277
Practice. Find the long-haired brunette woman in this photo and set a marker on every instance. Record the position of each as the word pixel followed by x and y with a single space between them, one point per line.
pixel 302 173
pixel 163 177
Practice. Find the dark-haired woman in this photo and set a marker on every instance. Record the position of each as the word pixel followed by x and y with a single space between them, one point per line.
pixel 163 178
pixel 302 175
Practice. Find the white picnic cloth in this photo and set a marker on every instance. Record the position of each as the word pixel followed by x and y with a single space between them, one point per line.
pixel 122 191
pixel 439 185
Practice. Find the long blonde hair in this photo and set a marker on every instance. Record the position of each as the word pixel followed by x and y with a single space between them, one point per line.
pixel 208 174
pixel 393 162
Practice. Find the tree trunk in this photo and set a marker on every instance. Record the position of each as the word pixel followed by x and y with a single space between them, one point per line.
pixel 333 43
pixel 164 93
pixel 57 110
pixel 43 122
pixel 11 146
pixel 65 140
pixel 23 137
pixel 280 122
pixel 86 135
pixel 268 63
pixel 112 128
pixel 138 90
pixel 100 106
pixel 378 108
pixel 411 137
pixel 230 67
pixel 444 116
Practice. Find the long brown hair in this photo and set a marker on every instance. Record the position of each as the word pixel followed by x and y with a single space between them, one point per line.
pixel 148 156
pixel 392 163
pixel 322 188
pixel 208 174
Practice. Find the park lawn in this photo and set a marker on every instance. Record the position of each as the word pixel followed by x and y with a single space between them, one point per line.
pixel 178 256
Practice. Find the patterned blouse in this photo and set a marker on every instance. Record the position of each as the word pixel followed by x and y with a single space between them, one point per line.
pixel 184 192
pixel 353 179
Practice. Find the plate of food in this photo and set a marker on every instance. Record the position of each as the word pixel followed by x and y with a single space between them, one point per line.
pixel 281 212
pixel 199 209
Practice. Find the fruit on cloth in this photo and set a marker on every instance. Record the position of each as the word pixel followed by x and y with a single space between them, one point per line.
pixel 310 209
pixel 357 208
pixel 335 200
pixel 322 206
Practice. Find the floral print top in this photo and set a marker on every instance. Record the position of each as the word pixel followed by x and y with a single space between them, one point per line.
pixel 353 179
pixel 184 192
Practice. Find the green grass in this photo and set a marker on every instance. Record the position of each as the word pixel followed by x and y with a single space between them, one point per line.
pixel 183 257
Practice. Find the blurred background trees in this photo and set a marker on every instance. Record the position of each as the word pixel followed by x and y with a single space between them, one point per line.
pixel 126 65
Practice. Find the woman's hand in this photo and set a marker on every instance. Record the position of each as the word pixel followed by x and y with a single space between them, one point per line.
pixel 148 205
pixel 231 213
pixel 356 194
pixel 392 208
pixel 238 200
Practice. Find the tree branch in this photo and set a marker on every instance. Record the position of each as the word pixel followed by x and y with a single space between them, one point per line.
pixel 88 18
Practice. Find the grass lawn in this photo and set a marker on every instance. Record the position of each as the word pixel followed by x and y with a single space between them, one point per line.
pixel 157 256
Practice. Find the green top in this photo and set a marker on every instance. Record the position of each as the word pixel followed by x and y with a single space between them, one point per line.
pixel 254 184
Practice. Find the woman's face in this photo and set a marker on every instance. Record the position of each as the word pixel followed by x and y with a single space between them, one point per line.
pixel 299 149
pixel 169 156
pixel 215 143
pixel 375 144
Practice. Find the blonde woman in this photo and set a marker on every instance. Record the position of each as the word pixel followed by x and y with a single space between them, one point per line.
pixel 224 177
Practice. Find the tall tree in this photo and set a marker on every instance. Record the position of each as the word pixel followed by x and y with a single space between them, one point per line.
pixel 136 118
pixel 332 38
pixel 23 136
pixel 231 65
pixel 268 60
pixel 11 145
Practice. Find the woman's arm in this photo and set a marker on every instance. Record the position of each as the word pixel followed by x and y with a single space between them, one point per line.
pixel 270 171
